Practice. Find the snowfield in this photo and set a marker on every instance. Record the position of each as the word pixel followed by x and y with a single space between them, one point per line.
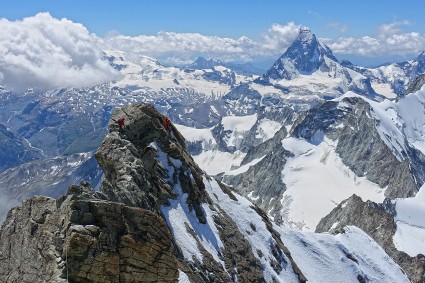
pixel 215 161
pixel 410 220
pixel 317 181
pixel 341 258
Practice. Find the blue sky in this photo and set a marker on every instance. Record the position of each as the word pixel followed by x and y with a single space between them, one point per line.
pixel 224 18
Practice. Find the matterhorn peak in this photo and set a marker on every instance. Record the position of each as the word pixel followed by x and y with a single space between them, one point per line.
pixel 305 56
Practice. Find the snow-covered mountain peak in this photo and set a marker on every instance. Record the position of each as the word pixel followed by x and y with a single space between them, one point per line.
pixel 305 56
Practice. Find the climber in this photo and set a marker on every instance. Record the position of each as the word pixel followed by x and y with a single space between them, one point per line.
pixel 166 123
pixel 121 123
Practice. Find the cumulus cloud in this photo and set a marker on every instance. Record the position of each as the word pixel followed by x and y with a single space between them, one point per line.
pixel 279 37
pixel 390 39
pixel 182 48
pixel 45 52
pixel 171 47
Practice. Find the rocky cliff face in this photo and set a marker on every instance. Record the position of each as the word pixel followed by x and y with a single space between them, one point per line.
pixel 377 220
pixel 83 237
pixel 264 188
pixel 416 84
pixel 159 218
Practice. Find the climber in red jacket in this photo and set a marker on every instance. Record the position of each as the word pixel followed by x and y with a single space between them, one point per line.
pixel 166 123
pixel 121 123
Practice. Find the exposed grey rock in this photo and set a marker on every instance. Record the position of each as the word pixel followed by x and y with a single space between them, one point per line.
pixel 416 85
pixel 29 243
pixel 257 183
pixel 132 175
pixel 82 238
pixel 360 146
pixel 377 220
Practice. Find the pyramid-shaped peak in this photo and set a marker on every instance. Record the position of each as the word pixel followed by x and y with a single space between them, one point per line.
pixel 305 56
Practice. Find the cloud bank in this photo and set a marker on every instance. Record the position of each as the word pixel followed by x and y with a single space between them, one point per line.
pixel 181 48
pixel 389 39
pixel 46 53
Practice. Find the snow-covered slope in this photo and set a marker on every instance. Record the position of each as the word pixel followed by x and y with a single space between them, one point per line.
pixel 392 80
pixel 316 181
pixel 410 220
pixel 148 75
pixel 347 257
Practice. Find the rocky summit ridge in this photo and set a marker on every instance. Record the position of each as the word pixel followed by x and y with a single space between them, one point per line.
pixel 159 218
pixel 126 232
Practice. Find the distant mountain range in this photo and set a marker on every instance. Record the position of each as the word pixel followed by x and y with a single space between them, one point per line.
pixel 296 141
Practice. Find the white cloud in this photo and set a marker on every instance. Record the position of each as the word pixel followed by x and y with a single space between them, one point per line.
pixel 171 47
pixel 279 37
pixel 390 39
pixel 46 53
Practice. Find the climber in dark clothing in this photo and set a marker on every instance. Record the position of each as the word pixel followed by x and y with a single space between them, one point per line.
pixel 121 123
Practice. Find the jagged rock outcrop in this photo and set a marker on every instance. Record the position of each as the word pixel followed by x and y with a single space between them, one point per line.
pixel 83 237
pixel 377 220
pixel 132 174
pixel 256 182
pixel 416 84
pixel 154 220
